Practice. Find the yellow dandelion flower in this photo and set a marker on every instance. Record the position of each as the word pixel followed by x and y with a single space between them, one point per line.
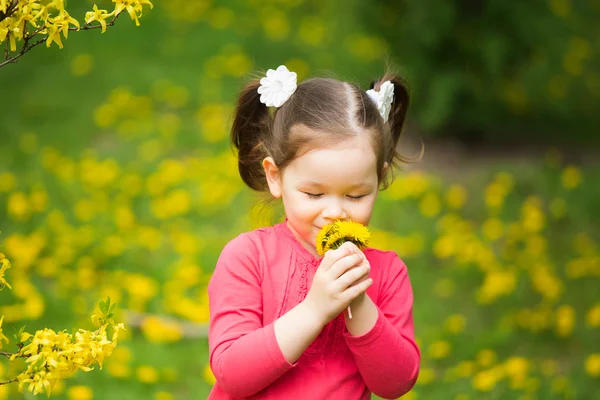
pixel 332 236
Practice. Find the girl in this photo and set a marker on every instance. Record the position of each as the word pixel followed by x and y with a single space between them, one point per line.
pixel 278 329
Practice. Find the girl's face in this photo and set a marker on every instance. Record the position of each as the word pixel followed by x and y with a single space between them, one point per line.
pixel 324 185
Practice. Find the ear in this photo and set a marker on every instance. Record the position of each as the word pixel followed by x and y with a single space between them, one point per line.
pixel 273 176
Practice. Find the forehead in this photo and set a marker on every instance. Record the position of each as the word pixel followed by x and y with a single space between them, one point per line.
pixel 352 161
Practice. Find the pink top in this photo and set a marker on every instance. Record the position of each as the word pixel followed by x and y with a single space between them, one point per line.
pixel 260 275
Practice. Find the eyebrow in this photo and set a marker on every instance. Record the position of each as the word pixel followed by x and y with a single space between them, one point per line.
pixel 361 185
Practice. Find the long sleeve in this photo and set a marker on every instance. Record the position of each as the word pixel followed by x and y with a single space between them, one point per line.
pixel 244 356
pixel 387 356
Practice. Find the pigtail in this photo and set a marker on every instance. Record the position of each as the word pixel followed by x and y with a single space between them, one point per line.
pixel 251 125
pixel 400 103
pixel 395 124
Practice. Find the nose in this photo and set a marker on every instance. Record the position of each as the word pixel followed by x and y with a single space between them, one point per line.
pixel 334 210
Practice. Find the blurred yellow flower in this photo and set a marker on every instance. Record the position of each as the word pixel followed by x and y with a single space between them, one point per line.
pixel 426 376
pixel 163 396
pixel 493 229
pixel 455 323
pixel 592 365
pixel 561 8
pixel 445 246
pixel 465 369
pixel 439 349
pixel 365 47
pixel 7 182
pixel 516 366
pixel 82 64
pixel 80 392
pixel 221 18
pixel 444 288
pixel 158 330
pixel 571 177
pixel 430 205
pixel 209 377
pixel 486 357
pixel 485 381
pixel 456 197
pixel 312 31
pixel 213 120
pixel 275 24
pixel 565 320
pixel 593 316
pixel 299 66
pixel 496 283
pixel 18 206
pixel 532 216
pixel 147 374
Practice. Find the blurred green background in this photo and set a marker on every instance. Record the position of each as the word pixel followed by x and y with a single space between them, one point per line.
pixel 116 178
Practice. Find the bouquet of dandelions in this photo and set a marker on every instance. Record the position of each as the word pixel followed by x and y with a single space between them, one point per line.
pixel 332 236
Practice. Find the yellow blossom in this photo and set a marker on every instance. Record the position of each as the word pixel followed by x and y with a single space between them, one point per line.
pixel 4 265
pixel 332 236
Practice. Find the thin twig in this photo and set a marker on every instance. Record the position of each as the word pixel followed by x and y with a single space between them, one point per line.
pixel 9 10
pixel 6 354
pixel 11 381
pixel 26 46
pixel 24 50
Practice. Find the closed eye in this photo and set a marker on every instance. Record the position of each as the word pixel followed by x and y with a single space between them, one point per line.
pixel 356 198
pixel 313 195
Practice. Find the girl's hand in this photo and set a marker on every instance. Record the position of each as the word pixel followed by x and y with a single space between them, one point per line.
pixel 341 277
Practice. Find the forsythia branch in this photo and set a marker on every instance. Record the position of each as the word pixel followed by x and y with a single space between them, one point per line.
pixel 50 20
pixel 52 356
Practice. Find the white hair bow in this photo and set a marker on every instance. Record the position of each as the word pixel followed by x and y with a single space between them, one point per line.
pixel 277 87
pixel 383 98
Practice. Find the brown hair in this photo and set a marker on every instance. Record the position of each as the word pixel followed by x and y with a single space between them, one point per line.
pixel 332 108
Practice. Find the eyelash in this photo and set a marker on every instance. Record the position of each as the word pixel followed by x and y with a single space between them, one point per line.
pixel 316 196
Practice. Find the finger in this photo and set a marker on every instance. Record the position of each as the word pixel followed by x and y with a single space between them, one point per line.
pixel 356 290
pixel 344 264
pixel 352 277
pixel 332 256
